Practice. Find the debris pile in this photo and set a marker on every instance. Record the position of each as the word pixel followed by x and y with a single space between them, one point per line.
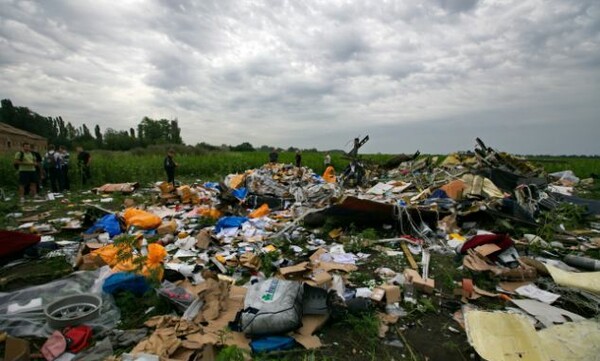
pixel 265 259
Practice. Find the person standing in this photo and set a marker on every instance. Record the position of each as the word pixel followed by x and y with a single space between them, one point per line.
pixel 52 167
pixel 327 160
pixel 83 162
pixel 170 166
pixel 273 156
pixel 39 171
pixel 66 157
pixel 25 163
pixel 298 159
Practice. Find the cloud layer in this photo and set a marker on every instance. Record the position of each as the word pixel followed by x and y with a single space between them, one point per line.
pixel 524 75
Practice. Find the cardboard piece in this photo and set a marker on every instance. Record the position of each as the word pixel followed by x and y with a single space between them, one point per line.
pixel 167 227
pixel 319 277
pixel 487 249
pixel 250 261
pixel 197 341
pixel 316 256
pixel 392 293
pixel 413 276
pixel 238 339
pixel 91 262
pixel 312 323
pixel 299 268
pixel 334 266
pixel 182 354
pixel 214 293
pixel 308 342
pixel 203 239
pixel 378 294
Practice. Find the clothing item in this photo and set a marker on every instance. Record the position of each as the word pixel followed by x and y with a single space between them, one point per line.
pixel 29 160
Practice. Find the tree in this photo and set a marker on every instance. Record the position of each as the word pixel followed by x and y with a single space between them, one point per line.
pixel 132 133
pixel 175 133
pixel 244 147
pixel 117 140
pixel 161 131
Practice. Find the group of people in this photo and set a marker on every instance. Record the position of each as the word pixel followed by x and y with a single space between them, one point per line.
pixel 35 171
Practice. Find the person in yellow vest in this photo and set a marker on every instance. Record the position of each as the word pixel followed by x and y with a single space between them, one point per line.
pixel 25 162
pixel 329 174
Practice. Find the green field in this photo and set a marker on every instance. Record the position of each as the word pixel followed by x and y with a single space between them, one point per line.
pixel 116 167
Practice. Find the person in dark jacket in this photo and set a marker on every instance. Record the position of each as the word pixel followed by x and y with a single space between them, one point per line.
pixel 170 166
pixel 83 162
pixel 273 156
pixel 298 159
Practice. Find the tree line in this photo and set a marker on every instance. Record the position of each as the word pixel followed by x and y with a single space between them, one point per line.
pixel 149 132
pixel 58 132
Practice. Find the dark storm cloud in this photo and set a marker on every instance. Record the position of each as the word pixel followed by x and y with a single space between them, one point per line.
pixel 430 75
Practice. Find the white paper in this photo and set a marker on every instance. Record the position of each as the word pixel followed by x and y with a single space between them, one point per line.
pixel 532 291
pixel 184 253
pixel 26 225
pixel 363 292
pixel 380 188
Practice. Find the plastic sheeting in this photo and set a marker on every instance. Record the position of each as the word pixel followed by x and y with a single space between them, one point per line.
pixel 33 323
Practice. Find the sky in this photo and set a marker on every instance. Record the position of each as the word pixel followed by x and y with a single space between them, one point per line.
pixel 524 75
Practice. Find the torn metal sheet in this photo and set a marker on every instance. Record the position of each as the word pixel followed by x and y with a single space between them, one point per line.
pixel 546 314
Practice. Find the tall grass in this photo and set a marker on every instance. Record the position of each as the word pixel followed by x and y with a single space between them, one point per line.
pixel 118 167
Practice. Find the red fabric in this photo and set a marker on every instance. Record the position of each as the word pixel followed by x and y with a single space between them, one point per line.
pixel 78 337
pixel 501 240
pixel 14 242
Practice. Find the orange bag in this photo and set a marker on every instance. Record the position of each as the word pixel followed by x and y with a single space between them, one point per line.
pixel 142 219
pixel 329 175
pixel 156 256
pixel 260 211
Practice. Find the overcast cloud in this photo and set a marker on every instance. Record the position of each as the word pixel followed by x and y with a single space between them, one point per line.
pixel 524 75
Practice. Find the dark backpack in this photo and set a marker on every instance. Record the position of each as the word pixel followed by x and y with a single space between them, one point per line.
pixel 21 156
pixel 50 160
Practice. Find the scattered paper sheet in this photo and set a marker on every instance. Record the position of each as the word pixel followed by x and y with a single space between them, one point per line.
pixel 532 291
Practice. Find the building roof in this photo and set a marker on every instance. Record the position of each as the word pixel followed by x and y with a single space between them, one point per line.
pixel 5 128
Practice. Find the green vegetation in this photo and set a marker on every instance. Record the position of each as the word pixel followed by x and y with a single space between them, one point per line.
pixel 118 167
pixel 568 215
pixel 137 310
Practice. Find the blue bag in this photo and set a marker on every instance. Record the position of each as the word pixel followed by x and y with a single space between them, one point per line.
pixel 272 343
pixel 109 223
pixel 240 193
pixel 125 281
pixel 229 222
